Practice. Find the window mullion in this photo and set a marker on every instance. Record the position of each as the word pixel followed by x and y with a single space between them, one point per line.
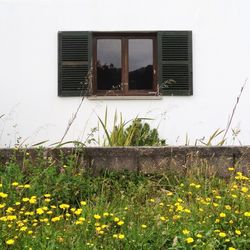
pixel 125 65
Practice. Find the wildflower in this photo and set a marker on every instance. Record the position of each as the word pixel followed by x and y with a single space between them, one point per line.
pixel 39 211
pixel 185 231
pixel 199 235
pixel 231 169
pixel 115 236
pixel 2 205
pixel 1 185
pixel 47 200
pixel 161 204
pixel 152 200
pixel 23 229
pixel 162 218
pixel 116 219
pixel 238 232
pixel 222 215
pixel 47 195
pixel 64 206
pixel 83 203
pixel 121 236
pixel 189 240
pixel 57 218
pixel 169 193
pixel 231 248
pixel 228 207
pixel 3 195
pixel 247 214
pixel 105 214
pixel 26 186
pixel 78 211
pixel 120 223
pixel 97 216
pixel 14 184
pixel 10 242
pixel 143 226
pixel 25 199
pixel 244 189
pixel 222 234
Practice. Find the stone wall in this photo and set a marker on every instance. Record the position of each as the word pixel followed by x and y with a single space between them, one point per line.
pixel 209 160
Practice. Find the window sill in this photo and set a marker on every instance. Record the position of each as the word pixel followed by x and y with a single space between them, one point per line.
pixel 124 97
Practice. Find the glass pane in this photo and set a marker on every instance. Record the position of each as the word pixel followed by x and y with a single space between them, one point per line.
pixel 108 64
pixel 140 63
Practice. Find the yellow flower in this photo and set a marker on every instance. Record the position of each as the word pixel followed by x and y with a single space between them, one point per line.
pixel 23 229
pixel 244 189
pixel 247 214
pixel 115 236
pixel 120 223
pixel 3 195
pixel 162 218
pixel 185 231
pixel 105 214
pixel 189 240
pixel 25 199
pixel 83 203
pixel 14 184
pixel 78 211
pixel 47 195
pixel 231 169
pixel 97 216
pixel 10 242
pixel 199 235
pixel 121 236
pixel 222 234
pixel 143 226
pixel 222 215
pixel 116 219
pixel 2 205
pixel 27 186
pixel 231 248
pixel 64 206
pixel 39 211
pixel 1 185
pixel 238 232
pixel 228 207
pixel 152 200
pixel 54 219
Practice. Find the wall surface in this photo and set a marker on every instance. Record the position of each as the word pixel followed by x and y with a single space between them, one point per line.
pixel 28 67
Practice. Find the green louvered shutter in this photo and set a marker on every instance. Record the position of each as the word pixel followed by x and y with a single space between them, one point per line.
pixel 175 62
pixel 74 63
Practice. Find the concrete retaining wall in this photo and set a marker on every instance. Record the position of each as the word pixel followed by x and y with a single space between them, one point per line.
pixel 210 160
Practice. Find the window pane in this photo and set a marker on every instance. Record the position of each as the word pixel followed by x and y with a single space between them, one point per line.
pixel 140 63
pixel 108 64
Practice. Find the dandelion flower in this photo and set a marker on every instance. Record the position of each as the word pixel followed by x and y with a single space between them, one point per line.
pixel 222 215
pixel 10 242
pixel 185 231
pixel 121 236
pixel 97 216
pixel 247 214
pixel 238 232
pixel 222 234
pixel 189 240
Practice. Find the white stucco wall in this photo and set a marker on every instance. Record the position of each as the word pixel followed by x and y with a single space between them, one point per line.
pixel 28 67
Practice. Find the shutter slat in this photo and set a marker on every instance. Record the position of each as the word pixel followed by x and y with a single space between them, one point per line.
pixel 74 63
pixel 175 62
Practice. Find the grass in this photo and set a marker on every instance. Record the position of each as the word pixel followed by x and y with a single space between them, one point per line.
pixel 56 205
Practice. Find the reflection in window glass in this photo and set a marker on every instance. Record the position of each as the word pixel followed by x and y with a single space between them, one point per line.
pixel 140 63
pixel 108 64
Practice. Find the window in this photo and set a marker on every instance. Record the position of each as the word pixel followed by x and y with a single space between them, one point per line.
pixel 126 64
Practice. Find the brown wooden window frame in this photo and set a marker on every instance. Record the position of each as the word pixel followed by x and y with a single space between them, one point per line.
pixel 124 90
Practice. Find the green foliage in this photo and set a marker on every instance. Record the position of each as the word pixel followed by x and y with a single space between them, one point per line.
pixel 135 132
pixel 124 210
